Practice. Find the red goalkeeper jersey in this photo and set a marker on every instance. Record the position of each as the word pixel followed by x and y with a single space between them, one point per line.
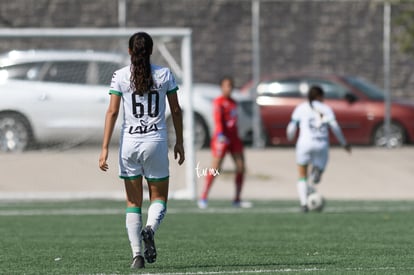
pixel 225 117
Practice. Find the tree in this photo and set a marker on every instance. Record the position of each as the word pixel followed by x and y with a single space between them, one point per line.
pixel 403 23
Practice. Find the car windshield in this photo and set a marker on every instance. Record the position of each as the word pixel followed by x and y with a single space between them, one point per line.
pixel 369 89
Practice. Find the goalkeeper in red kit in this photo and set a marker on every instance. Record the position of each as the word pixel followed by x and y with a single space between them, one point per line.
pixel 225 139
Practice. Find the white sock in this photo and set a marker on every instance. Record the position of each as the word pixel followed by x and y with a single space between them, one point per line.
pixel 302 187
pixel 134 226
pixel 156 213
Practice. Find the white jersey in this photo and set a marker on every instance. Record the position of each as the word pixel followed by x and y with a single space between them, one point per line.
pixel 144 116
pixel 313 142
pixel 313 121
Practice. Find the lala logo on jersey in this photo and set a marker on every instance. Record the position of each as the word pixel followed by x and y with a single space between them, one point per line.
pixel 156 86
pixel 144 128
pixel 316 124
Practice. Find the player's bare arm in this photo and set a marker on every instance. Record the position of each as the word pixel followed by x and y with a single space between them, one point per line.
pixel 110 120
pixel 177 117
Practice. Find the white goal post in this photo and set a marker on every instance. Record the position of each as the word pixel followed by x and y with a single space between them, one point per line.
pixel 183 69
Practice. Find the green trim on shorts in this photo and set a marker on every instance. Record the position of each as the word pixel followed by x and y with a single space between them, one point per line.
pixel 303 179
pixel 156 179
pixel 131 178
pixel 115 92
pixel 133 209
pixel 172 91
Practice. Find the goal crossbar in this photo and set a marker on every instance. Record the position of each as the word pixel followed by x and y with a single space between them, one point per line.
pixel 92 32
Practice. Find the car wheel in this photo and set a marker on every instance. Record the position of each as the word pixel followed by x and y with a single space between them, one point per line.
pixel 15 133
pixel 397 136
pixel 201 134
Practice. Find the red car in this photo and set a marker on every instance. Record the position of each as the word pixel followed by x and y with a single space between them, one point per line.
pixel 358 105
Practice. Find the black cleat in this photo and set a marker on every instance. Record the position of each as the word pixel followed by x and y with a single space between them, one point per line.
pixel 304 209
pixel 150 252
pixel 138 262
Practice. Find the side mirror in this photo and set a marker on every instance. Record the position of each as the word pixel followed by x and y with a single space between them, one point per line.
pixel 351 98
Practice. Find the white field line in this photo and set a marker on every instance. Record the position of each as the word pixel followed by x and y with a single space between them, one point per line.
pixel 47 196
pixel 259 210
pixel 259 271
pixel 265 210
pixel 286 270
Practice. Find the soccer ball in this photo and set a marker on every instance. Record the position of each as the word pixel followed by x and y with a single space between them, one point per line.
pixel 316 202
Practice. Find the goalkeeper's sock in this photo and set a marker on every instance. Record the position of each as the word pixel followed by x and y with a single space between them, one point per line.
pixel 156 213
pixel 239 185
pixel 207 186
pixel 134 226
pixel 302 187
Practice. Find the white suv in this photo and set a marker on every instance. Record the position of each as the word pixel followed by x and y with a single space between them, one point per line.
pixel 62 96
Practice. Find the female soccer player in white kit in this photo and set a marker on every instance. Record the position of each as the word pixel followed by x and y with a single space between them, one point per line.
pixel 312 148
pixel 143 89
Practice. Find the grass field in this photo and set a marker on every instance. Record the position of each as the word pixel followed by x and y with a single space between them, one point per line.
pixel 89 237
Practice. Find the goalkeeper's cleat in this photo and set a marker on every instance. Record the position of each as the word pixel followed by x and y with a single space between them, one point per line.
pixel 150 252
pixel 202 204
pixel 316 175
pixel 138 262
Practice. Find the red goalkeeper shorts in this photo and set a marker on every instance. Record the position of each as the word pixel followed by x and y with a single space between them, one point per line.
pixel 219 149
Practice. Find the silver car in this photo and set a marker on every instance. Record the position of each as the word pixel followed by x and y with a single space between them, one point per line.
pixel 61 97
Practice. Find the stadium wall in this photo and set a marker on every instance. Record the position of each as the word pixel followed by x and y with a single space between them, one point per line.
pixel 320 36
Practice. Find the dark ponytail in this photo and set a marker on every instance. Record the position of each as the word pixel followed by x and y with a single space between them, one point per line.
pixel 314 93
pixel 140 47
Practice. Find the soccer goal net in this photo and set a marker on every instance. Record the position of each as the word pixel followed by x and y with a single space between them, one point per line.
pixel 72 66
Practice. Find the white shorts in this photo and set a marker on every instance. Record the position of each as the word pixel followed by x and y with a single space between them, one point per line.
pixel 148 159
pixel 314 153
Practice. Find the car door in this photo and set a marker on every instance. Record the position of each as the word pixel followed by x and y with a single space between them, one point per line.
pixel 34 98
pixel 73 108
pixel 98 82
